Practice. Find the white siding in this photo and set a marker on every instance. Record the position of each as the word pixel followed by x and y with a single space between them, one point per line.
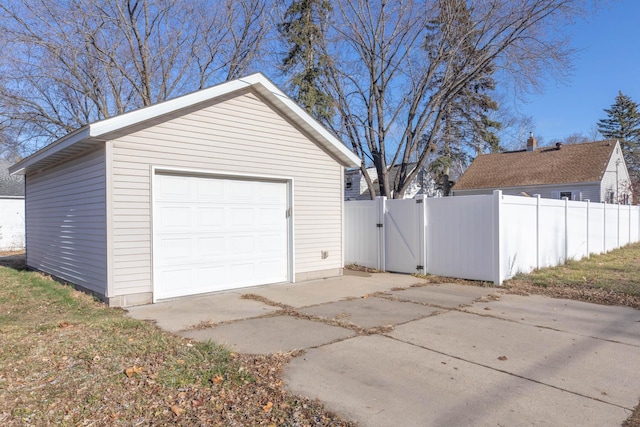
pixel 616 178
pixel 11 224
pixel 66 222
pixel 241 135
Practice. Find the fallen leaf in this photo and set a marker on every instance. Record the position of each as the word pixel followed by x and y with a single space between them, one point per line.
pixel 217 379
pixel 196 403
pixel 133 370
pixel 182 395
pixel 177 410
pixel 267 407
pixel 487 308
pixel 180 362
pixel 502 358
pixel 63 325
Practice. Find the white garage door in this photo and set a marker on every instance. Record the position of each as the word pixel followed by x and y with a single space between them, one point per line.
pixel 213 234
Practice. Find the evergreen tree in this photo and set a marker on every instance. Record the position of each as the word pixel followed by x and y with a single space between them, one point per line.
pixel 623 124
pixel 303 30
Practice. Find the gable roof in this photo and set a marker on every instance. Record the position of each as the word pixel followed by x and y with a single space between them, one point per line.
pixel 99 131
pixel 548 165
pixel 10 186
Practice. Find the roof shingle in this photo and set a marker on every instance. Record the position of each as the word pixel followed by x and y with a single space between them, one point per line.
pixel 548 165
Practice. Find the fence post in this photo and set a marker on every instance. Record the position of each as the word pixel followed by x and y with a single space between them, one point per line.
pixel 566 229
pixel 537 231
pixel 381 208
pixel 498 273
pixel 421 205
pixel 588 219
pixel 618 220
pixel 629 210
pixel 604 228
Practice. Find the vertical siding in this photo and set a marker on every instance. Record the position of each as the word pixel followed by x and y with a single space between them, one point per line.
pixel 618 183
pixel 241 135
pixel 66 223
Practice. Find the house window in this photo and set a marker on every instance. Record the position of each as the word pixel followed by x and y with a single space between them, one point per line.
pixel 349 184
pixel 566 194
pixel 625 199
pixel 610 196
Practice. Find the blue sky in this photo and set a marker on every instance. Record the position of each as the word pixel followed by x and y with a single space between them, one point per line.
pixel 608 61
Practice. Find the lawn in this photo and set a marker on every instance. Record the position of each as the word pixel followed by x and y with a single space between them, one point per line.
pixel 66 359
pixel 611 278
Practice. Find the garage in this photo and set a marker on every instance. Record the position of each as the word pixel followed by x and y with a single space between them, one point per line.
pixel 218 233
pixel 221 189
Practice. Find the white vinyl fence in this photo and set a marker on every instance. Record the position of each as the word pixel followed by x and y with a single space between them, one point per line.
pixel 11 224
pixel 489 238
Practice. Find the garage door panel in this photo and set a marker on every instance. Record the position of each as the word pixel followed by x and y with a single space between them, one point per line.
pixel 241 245
pixel 241 190
pixel 270 217
pixel 241 217
pixel 175 250
pixel 268 244
pixel 210 189
pixel 213 234
pixel 210 217
pixel 177 217
pixel 271 193
pixel 173 187
pixel 211 246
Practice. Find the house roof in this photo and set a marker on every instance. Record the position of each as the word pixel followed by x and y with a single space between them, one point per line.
pixel 548 165
pixel 10 186
pixel 100 131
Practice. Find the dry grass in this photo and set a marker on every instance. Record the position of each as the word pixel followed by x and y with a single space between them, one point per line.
pixel 612 278
pixel 66 359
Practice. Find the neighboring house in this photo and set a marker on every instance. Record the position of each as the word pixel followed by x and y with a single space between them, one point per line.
pixel 355 185
pixel 227 187
pixel 11 209
pixel 593 171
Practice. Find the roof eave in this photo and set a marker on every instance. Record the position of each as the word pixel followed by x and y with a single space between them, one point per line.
pixel 258 81
pixel 53 148
pixel 266 88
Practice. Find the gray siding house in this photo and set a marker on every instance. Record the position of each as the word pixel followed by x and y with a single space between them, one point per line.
pixel 355 184
pixel 227 187
pixel 593 171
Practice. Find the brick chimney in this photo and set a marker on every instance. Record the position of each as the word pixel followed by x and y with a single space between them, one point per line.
pixel 531 142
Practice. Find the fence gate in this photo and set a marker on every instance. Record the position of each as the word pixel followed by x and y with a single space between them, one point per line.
pixel 404 229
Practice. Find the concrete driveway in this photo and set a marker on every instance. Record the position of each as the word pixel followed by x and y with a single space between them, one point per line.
pixel 380 351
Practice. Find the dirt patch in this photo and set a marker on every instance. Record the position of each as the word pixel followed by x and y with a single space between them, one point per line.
pixel 13 259
pixel 634 419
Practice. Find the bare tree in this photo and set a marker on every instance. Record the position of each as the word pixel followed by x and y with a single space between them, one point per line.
pixel 76 61
pixel 398 66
